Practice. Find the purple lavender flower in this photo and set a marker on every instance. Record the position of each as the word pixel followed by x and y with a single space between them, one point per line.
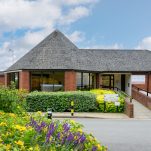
pixel 70 137
pixel 82 138
pixel 38 128
pixel 63 140
pixel 58 135
pixel 94 148
pixel 43 124
pixel 66 127
pixel 75 142
pixel 51 126
pixel 51 129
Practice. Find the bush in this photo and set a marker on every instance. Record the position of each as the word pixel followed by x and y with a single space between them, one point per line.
pixel 108 106
pixel 37 133
pixel 61 101
pixel 12 100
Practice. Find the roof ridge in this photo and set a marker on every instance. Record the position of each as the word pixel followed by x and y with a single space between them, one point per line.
pixel 112 49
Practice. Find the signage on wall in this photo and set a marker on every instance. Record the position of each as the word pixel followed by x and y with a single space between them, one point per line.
pixel 110 97
pixel 117 103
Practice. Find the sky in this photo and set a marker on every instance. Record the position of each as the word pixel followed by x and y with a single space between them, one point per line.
pixel 110 24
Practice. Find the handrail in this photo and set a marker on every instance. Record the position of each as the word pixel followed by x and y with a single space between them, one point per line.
pixel 118 89
pixel 133 86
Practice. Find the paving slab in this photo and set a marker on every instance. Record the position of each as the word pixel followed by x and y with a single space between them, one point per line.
pixel 90 115
pixel 140 111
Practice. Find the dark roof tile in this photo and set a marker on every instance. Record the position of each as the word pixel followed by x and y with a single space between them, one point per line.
pixel 58 52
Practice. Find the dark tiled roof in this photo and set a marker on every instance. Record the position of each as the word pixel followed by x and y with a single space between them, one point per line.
pixel 58 52
pixel 1 73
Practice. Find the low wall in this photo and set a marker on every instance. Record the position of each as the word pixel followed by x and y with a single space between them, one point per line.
pixel 141 86
pixel 2 80
pixel 129 108
pixel 142 98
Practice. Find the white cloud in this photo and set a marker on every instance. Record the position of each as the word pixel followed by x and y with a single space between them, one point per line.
pixel 76 36
pixel 113 46
pixel 74 14
pixel 77 2
pixel 37 14
pixel 145 43
pixel 16 14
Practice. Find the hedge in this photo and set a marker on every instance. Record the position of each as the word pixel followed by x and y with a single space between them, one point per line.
pixel 60 101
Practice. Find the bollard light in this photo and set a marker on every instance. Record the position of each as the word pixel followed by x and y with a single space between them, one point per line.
pixel 72 108
pixel 49 112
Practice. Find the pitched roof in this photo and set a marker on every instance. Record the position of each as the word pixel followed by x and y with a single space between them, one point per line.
pixel 1 73
pixel 57 52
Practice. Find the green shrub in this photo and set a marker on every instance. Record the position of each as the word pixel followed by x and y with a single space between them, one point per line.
pixel 108 106
pixel 60 101
pixel 12 100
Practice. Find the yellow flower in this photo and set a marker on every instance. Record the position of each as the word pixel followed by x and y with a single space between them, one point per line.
pixel 19 143
pixel 37 148
pixel 1 113
pixel 20 128
pixel 79 130
pixel 75 137
pixel 99 146
pixel 72 121
pixel 3 124
pixel 1 140
pixel 8 146
pixel 30 149
pixel 39 113
pixel 12 115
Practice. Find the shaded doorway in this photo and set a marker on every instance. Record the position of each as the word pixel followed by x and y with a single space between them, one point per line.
pixel 123 82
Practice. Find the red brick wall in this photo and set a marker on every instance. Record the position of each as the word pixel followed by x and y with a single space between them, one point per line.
pixel 98 80
pixel 149 82
pixel 7 79
pixel 141 86
pixel 129 108
pixel 2 80
pixel 70 81
pixel 24 80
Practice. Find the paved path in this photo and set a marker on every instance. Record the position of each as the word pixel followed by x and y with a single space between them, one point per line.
pixel 140 111
pixel 120 135
pixel 91 115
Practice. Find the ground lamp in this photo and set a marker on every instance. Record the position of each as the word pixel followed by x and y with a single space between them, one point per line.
pixel 49 112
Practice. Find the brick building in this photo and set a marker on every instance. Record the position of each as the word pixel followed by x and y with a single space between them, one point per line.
pixel 57 64
pixel 2 78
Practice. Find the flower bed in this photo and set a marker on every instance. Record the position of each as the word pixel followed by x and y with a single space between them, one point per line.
pixel 108 106
pixel 37 133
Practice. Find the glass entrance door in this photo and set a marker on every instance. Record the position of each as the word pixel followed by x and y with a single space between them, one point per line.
pixel 108 81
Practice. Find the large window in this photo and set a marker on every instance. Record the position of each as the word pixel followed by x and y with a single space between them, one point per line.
pixel 85 81
pixel 14 77
pixel 108 81
pixel 47 81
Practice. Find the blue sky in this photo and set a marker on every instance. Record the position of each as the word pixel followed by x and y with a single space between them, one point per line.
pixel 125 22
pixel 116 24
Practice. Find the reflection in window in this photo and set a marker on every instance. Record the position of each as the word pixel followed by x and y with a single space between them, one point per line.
pixel 47 81
pixel 84 81
pixel 14 77
pixel 107 81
